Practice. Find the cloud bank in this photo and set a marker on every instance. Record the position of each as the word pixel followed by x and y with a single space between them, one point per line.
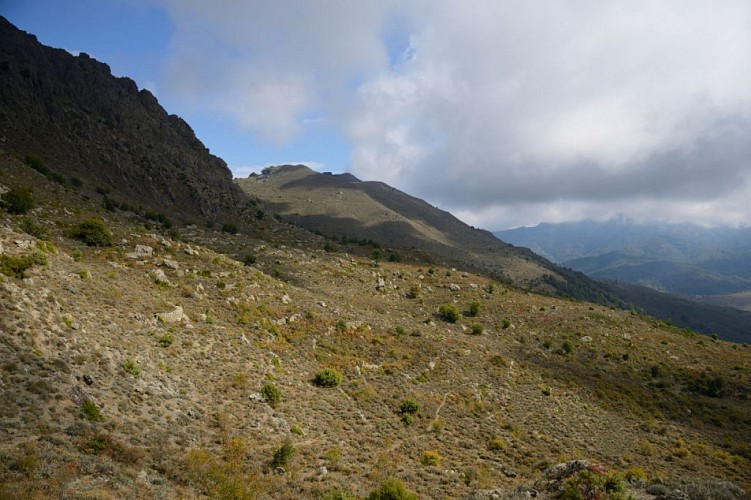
pixel 504 112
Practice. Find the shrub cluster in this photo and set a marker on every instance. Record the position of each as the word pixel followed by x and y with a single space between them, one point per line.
pixel 327 377
pixel 93 232
pixel 18 200
pixel 409 409
pixel 448 313
pixel 271 394
pixel 16 266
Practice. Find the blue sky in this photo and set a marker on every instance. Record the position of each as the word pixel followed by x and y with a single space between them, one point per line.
pixel 505 112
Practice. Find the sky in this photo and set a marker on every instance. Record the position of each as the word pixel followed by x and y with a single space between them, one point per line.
pixel 504 112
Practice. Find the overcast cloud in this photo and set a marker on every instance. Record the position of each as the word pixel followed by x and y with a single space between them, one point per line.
pixel 504 112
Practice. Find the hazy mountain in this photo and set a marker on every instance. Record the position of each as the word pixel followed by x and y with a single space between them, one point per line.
pixel 679 258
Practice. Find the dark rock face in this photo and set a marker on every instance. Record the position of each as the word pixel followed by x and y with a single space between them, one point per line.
pixel 86 123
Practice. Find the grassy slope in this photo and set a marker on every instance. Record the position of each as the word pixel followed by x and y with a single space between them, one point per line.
pixel 189 423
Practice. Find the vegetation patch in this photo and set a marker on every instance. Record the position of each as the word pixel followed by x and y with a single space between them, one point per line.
pixel 93 232
pixel 327 377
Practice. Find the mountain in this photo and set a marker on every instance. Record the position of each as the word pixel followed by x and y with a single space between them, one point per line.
pixel 345 208
pixel 711 264
pixel 73 119
pixel 140 359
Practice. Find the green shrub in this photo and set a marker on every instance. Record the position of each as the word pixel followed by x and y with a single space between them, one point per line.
pixel 249 259
pixel 409 406
pixel 391 489
pixel 91 411
pixel 229 228
pixel 497 444
pixel 593 482
pixel 160 218
pixel 414 291
pixel 37 163
pixel 477 329
pixel 448 313
pixel 283 454
pixel 430 457
pixel 327 377
pixel 409 409
pixel 93 232
pixel 338 494
pixel 271 394
pixel 165 340
pixel 18 200
pixel 474 309
pixel 131 367
pixel 17 266
pixel 35 229
pixel 567 347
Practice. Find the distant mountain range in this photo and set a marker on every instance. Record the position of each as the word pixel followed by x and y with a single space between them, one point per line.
pixel 713 264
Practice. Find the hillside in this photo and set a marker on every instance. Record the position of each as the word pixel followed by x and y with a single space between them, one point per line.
pixel 138 370
pixel 346 209
pixel 161 344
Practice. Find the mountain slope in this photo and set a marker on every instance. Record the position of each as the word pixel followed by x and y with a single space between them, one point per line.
pixel 83 123
pixel 143 370
pixel 342 206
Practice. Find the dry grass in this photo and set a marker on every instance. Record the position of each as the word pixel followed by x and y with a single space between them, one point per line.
pixel 193 421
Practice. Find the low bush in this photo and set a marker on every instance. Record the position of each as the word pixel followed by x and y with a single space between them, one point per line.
pixel 391 489
pixel 474 309
pixel 18 200
pixel 271 394
pixel 91 411
pixel 448 313
pixel 93 232
pixel 430 458
pixel 327 377
pixel 16 267
pixel 283 454
pixel 132 368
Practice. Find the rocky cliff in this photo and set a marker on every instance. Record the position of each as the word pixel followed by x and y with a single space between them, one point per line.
pixel 71 112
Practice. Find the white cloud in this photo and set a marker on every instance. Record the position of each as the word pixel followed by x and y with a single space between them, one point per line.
pixel 497 109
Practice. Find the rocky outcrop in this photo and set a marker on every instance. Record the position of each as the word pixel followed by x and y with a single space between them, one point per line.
pixel 83 122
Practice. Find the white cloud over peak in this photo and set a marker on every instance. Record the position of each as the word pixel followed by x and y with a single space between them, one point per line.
pixel 506 112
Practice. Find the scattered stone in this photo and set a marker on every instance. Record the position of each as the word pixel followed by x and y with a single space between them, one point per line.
pixel 586 338
pixel 280 470
pixel 88 380
pixel 170 264
pixel 286 299
pixel 24 244
pixel 160 278
pixel 454 287
pixel 174 316
pixel 674 495
pixel 322 470
pixel 321 303
pixel 189 250
pixel 510 473
pixel 380 284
